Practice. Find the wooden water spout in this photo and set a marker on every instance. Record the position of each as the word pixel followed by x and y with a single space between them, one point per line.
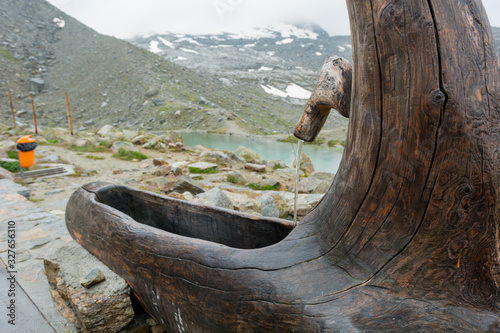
pixel 406 239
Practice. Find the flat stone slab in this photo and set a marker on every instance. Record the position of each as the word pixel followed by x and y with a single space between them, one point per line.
pixel 202 166
pixel 27 316
pixel 255 167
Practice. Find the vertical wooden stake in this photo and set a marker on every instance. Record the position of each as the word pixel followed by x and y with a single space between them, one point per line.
pixel 12 111
pixel 34 114
pixel 69 114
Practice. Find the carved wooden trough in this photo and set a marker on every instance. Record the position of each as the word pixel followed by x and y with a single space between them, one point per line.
pixel 406 239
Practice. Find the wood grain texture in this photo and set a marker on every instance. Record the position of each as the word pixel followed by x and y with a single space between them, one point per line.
pixel 406 239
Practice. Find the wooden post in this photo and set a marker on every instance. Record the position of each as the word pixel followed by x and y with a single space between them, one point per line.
pixel 12 111
pixel 69 114
pixel 34 113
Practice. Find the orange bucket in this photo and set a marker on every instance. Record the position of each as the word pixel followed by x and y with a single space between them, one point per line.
pixel 26 146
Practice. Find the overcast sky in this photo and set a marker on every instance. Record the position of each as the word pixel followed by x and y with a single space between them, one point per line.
pixel 127 18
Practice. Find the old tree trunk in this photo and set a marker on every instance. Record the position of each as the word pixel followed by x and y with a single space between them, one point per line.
pixel 406 239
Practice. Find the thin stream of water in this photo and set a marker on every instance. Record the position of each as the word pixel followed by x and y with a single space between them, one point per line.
pixel 297 169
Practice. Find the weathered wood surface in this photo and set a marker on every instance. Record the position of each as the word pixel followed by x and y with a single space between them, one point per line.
pixel 406 239
pixel 332 91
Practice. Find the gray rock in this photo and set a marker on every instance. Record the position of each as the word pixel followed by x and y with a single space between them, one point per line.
pixel 153 91
pixel 323 175
pixel 314 199
pixel 36 84
pixel 255 167
pixel 249 155
pixel 236 177
pixel 50 159
pixel 273 164
pixel 186 184
pixel 201 166
pixel 309 184
pixel 306 164
pixel 6 174
pixel 123 145
pixel 269 207
pixel 217 155
pixel 105 130
pixel 188 195
pixel 216 197
pixel 249 206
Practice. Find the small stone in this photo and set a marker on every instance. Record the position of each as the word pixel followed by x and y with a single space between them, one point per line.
pixel 157 329
pixel 94 277
pixel 53 192
pixel 306 164
pixel 117 172
pixel 159 162
pixel 188 196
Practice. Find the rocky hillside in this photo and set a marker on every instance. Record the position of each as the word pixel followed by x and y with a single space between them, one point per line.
pixel 112 81
pixel 252 83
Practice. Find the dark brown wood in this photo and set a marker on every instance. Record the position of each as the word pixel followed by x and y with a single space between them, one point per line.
pixel 406 239
pixel 332 91
pixel 70 121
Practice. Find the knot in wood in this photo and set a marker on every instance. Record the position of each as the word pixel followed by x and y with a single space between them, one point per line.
pixel 437 97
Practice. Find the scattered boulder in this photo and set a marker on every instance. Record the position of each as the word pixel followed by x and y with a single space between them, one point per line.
pixel 117 145
pixel 269 207
pixel 81 143
pixel 216 197
pixel 159 161
pixel 6 146
pixel 255 167
pixel 105 130
pixel 216 155
pixel 306 164
pixel 202 167
pixel 274 164
pixel 6 174
pixel 249 155
pixel 323 175
pixel 36 84
pixel 236 177
pixel 188 195
pixel 152 91
pixel 186 184
pixel 249 206
pixel 309 185
pixel 163 170
pixel 139 140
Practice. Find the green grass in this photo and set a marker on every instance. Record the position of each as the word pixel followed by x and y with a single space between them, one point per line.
pixel 292 139
pixel 206 171
pixel 259 187
pixel 103 147
pixel 93 157
pixel 36 200
pixel 12 154
pixel 6 55
pixel 232 179
pixel 52 141
pixel 333 143
pixel 129 155
pixel 11 166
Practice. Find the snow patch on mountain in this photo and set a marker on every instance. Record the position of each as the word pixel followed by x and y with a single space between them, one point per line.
pixel 292 90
